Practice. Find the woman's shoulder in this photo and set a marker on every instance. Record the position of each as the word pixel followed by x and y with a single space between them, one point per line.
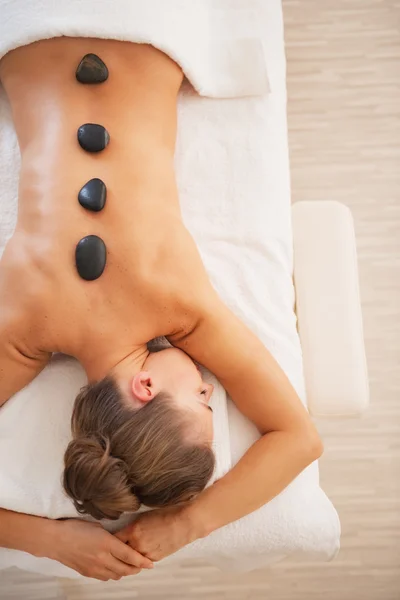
pixel 24 295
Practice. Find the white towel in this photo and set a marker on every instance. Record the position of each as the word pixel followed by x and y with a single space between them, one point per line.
pixel 216 42
pixel 233 177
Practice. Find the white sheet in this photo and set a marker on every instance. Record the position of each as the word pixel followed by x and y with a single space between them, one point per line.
pixel 216 43
pixel 233 175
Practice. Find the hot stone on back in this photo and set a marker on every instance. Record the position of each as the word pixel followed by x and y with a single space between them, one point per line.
pixel 91 69
pixel 90 257
pixel 93 137
pixel 93 194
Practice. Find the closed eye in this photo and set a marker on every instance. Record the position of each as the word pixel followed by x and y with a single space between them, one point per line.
pixel 204 393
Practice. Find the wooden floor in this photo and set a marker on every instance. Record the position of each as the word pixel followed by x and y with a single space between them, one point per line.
pixel 344 119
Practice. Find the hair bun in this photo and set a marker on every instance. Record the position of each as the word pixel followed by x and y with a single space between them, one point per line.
pixel 96 481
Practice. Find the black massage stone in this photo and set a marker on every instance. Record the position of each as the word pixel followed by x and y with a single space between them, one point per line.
pixel 91 69
pixel 92 137
pixel 90 257
pixel 93 195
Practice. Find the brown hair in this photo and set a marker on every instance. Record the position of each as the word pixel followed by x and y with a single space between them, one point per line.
pixel 121 457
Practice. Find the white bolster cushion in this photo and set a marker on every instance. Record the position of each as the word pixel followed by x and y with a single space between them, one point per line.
pixel 328 309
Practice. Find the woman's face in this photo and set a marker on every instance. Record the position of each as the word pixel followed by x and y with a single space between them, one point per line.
pixel 174 372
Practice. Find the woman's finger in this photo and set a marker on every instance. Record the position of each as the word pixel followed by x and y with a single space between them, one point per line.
pixel 105 574
pixel 120 568
pixel 130 556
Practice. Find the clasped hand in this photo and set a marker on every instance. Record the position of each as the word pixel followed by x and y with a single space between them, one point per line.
pixel 93 552
pixel 159 533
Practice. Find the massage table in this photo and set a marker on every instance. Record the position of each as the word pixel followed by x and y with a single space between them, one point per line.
pixel 290 273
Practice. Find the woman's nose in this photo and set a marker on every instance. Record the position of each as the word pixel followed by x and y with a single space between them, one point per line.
pixel 210 389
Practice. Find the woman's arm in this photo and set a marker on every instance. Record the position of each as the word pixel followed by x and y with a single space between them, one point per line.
pixel 17 367
pixel 17 370
pixel 262 392
pixel 84 547
pixel 262 473
pixel 27 533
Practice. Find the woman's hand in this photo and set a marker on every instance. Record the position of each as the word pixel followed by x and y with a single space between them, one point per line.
pixel 93 552
pixel 158 533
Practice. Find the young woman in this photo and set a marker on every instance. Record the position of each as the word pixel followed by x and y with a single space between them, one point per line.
pixel 99 264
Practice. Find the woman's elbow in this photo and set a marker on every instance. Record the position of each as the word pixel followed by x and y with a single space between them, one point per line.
pixel 310 446
pixel 316 447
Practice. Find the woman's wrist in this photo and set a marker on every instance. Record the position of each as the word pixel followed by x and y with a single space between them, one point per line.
pixel 41 539
pixel 201 521
pixel 48 539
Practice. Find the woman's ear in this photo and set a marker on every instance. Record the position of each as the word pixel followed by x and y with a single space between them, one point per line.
pixel 142 387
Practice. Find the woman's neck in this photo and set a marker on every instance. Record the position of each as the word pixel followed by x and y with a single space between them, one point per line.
pixel 117 360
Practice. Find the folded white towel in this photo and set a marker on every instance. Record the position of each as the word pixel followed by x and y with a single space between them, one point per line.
pixel 233 177
pixel 217 44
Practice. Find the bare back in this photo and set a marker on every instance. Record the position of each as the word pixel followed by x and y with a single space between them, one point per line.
pixel 153 269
